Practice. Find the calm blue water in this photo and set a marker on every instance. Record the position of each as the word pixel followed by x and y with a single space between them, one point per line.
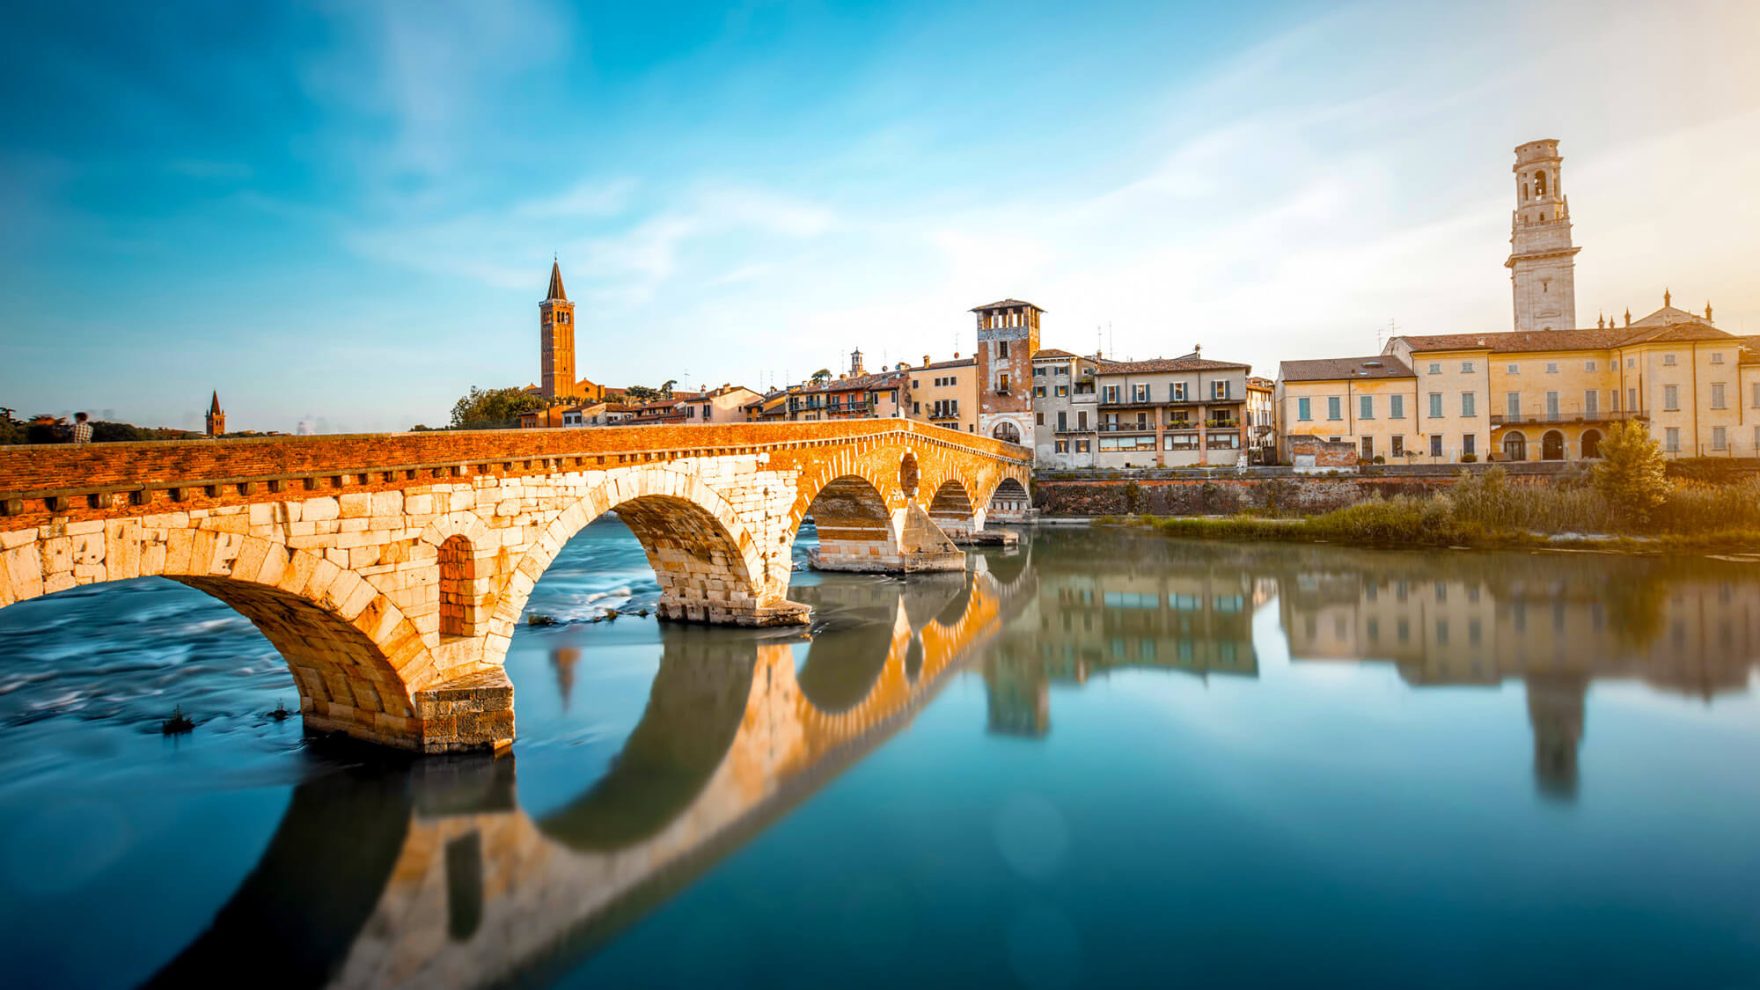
pixel 1104 759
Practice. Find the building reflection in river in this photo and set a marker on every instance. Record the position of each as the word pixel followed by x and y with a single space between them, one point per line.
pixel 1104 601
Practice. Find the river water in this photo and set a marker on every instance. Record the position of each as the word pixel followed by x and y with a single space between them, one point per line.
pixel 1105 758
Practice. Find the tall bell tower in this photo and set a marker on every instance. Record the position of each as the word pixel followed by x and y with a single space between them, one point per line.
pixel 556 337
pixel 1542 263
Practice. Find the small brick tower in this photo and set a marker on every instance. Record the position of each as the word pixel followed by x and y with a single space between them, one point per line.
pixel 1008 336
pixel 216 417
pixel 556 337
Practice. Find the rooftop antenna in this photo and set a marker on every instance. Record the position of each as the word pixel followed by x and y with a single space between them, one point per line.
pixel 1383 335
pixel 1111 345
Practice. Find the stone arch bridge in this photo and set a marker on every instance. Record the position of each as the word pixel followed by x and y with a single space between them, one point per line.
pixel 390 570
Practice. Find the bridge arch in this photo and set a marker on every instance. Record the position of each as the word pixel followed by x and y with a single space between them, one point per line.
pixel 709 565
pixel 356 660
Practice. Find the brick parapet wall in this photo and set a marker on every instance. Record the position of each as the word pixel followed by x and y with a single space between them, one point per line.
pixel 97 480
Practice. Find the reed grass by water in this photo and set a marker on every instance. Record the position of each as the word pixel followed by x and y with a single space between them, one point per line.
pixel 1488 510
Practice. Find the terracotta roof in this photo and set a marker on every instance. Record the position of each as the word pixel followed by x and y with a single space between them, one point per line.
pixel 1339 369
pixel 881 379
pixel 1005 304
pixel 1052 352
pixel 1188 362
pixel 1513 341
pixel 953 363
pixel 556 291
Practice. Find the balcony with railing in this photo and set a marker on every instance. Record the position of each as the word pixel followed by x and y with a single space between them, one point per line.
pixel 1567 416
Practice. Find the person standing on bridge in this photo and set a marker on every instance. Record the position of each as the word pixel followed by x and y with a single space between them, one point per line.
pixel 82 430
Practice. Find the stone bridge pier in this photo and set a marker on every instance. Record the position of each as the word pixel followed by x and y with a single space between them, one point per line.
pixel 391 571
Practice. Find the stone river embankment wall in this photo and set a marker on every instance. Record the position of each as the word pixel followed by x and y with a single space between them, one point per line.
pixel 1228 493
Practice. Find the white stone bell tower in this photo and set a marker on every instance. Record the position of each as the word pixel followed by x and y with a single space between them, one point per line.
pixel 1542 262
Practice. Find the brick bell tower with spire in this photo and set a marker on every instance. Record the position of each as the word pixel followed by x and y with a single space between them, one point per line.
pixel 556 337
pixel 216 417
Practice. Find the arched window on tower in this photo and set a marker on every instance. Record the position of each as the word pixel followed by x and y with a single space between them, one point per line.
pixel 458 573
pixel 1539 183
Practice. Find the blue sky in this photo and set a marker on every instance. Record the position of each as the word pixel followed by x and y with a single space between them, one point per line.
pixel 345 212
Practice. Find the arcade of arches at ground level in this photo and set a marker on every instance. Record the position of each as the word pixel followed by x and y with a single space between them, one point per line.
pixel 394 607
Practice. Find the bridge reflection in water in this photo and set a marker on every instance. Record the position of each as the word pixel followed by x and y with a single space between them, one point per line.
pixel 431 874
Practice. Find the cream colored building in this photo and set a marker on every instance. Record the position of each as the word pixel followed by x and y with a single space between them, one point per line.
pixel 1187 411
pixel 945 393
pixel 1551 395
pixel 1370 403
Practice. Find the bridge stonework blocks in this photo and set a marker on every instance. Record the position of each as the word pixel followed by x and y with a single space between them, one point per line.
pixel 391 571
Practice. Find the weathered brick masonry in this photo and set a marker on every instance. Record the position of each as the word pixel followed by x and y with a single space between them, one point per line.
pixel 390 570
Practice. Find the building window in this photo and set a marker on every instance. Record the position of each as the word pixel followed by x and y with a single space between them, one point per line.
pixel 1717 400
pixel 1469 444
pixel 1719 439
pixel 1591 403
pixel 1109 394
pixel 1466 367
pixel 1038 391
pixel 1552 367
pixel 1436 367
pixel 1062 390
pixel 1220 389
pixel 1671 398
pixel 1668 360
pixel 1333 410
pixel 1513 406
pixel 1305 408
pixel 1436 405
pixel 1368 449
pixel 1396 407
pixel 1716 357
pixel 1514 369
pixel 1366 407
pixel 1552 405
pixel 1176 391
pixel 1140 393
pixel 1467 404
pixel 1435 445
pixel 1588 366
pixel 1002 348
pixel 1671 439
pixel 1082 446
pixel 1060 446
pixel 1038 419
pixel 1038 372
pixel 1399 445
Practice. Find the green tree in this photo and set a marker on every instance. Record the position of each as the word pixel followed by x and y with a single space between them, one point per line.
pixel 494 408
pixel 1631 474
pixel 666 387
pixel 641 393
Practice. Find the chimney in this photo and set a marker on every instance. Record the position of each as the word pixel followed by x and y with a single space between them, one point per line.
pixel 926 358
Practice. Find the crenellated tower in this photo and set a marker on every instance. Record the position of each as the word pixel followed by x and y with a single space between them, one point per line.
pixel 1008 337
pixel 556 337
pixel 1542 261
